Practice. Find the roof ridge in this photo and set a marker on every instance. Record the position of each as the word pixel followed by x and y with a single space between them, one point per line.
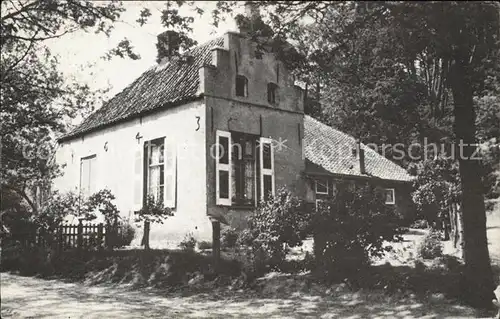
pixel 323 142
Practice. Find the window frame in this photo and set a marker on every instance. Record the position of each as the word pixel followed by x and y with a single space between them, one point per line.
pixel 223 167
pixel 259 171
pixel 242 158
pixel 150 165
pixel 272 88
pixel 245 85
pixel 393 191
pixel 316 187
pixel 266 171
pixel 169 173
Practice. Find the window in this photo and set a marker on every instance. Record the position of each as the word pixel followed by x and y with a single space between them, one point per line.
pixel 155 178
pixel 223 171
pixel 244 169
pixel 321 186
pixel 272 93
pixel 241 86
pixel 160 171
pixel 266 153
pixel 389 196
pixel 87 176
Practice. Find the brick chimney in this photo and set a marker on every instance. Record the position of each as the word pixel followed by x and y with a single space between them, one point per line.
pixel 167 46
pixel 359 154
pixel 252 13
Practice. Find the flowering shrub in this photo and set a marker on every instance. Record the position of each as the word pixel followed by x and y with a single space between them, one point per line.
pixel 125 234
pixel 154 211
pixel 228 237
pixel 188 243
pixel 350 228
pixel 56 208
pixel 102 201
pixel 431 246
pixel 202 245
pixel 278 223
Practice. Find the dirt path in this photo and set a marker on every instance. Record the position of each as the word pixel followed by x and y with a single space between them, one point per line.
pixel 26 297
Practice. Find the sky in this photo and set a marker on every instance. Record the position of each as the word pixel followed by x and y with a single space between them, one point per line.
pixel 80 53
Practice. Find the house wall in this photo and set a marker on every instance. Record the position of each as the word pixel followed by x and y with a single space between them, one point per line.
pixel 282 121
pixel 404 205
pixel 116 168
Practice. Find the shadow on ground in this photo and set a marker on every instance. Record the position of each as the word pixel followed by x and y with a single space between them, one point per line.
pixel 383 292
pixel 33 297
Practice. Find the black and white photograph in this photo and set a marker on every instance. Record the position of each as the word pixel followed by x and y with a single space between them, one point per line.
pixel 249 159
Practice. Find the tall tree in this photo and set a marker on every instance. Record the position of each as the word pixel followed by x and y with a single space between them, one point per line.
pixel 36 99
pixel 465 35
pixel 38 102
pixel 450 45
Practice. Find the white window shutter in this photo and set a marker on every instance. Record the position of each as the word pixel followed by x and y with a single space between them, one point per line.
pixel 266 156
pixel 88 175
pixel 92 175
pixel 84 178
pixel 170 178
pixel 138 177
pixel 223 168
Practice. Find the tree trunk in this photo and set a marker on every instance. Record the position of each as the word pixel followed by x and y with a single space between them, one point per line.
pixel 446 228
pixel 478 278
pixel 456 226
pixel 145 236
pixel 216 244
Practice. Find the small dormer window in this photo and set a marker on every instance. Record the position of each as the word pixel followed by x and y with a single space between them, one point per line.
pixel 241 86
pixel 272 92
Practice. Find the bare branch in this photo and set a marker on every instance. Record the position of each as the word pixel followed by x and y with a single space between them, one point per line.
pixel 26 8
pixel 42 38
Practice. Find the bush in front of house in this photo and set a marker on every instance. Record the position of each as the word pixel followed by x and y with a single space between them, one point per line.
pixel 57 207
pixel 278 223
pixel 125 234
pixel 350 228
pixel 102 201
pixel 202 245
pixel 154 211
pixel 420 224
pixel 228 237
pixel 188 243
pixel 430 247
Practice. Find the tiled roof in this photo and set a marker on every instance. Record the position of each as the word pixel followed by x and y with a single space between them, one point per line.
pixel 161 86
pixel 330 150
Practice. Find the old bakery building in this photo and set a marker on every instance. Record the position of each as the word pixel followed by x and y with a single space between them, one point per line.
pixel 157 138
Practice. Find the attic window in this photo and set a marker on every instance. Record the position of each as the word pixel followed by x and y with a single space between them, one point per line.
pixel 272 92
pixel 390 197
pixel 241 86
